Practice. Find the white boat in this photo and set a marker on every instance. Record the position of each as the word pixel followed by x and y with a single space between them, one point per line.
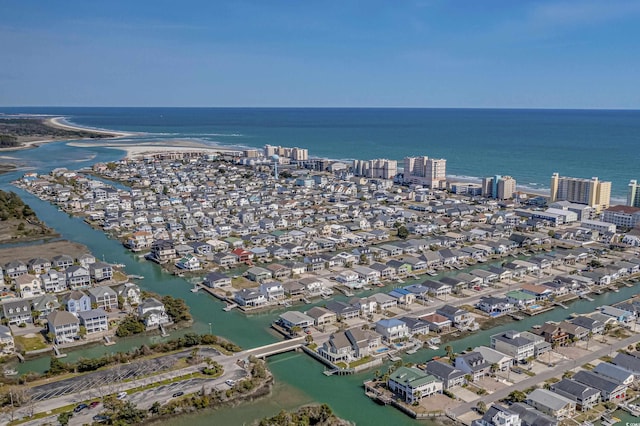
pixel 10 372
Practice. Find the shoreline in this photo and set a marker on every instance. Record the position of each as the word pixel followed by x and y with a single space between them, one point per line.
pixel 61 123
pixel 143 148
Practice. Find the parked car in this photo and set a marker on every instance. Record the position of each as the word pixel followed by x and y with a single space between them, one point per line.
pixel 100 418
pixel 122 395
pixel 177 394
pixel 230 382
pixel 80 407
pixel 94 404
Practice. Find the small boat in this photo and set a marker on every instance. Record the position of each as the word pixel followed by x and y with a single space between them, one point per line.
pixel 10 372
pixel 195 288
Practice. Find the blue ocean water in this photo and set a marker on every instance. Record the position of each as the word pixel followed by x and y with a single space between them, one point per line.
pixel 527 144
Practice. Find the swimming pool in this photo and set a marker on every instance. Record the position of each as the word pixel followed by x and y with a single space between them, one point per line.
pixel 534 307
pixel 381 350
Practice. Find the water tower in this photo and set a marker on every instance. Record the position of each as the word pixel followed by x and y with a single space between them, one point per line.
pixel 276 160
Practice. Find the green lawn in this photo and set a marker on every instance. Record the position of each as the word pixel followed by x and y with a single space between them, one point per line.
pixel 30 342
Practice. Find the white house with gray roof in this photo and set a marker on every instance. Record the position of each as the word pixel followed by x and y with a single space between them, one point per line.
pixel 551 403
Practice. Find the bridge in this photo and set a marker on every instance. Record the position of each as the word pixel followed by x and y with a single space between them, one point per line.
pixel 275 348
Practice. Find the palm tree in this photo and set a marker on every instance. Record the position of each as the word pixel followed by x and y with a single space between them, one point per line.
pixel 449 350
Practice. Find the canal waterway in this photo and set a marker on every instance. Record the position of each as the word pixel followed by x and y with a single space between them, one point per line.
pixel 299 379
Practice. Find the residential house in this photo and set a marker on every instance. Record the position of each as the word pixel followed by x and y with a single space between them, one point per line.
pixel 498 360
pixel 322 316
pixel 529 416
pixel 15 268
pixel 291 319
pixel 258 274
pixel 61 262
pixel 100 271
pixel 403 296
pixel 615 373
pixel 77 277
pixel 520 299
pixel 189 262
pixel 225 260
pixel 446 373
pixel 384 301
pixel 609 390
pixel 45 304
pixel 250 297
pixel 437 323
pixel 554 334
pixel 392 329
pixel 216 280
pixel 343 310
pixel 592 325
pixel 551 403
pixel 94 320
pixel 473 364
pixel 54 281
pixel 272 291
pixel 495 306
pixel 28 285
pixel 621 315
pixel 162 251
pixel 130 293
pixel 17 312
pixel 76 302
pixel 412 384
pixel 628 362
pixel 416 325
pixel 460 318
pixel 337 348
pixel 103 297
pixel 64 326
pixel 153 312
pixel 437 288
pixel 513 344
pixel 497 415
pixel 584 396
pixel 39 265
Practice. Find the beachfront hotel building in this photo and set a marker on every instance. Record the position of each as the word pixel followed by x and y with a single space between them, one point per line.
pixel 633 196
pixel 293 154
pixel 376 169
pixel 622 216
pixel 431 172
pixel 500 187
pixel 592 192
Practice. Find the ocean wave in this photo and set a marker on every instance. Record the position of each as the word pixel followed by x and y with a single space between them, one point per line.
pixel 231 135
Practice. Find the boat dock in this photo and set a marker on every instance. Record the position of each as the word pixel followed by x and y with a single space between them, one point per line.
pixel 230 306
pixel 108 341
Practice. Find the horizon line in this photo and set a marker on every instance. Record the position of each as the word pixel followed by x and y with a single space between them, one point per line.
pixel 329 107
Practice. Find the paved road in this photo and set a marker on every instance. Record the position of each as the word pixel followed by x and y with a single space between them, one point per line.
pixel 546 375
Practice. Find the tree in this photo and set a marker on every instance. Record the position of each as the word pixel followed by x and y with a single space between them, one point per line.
pixel 517 396
pixel 494 368
pixel 403 232
pixel 155 408
pixel 82 331
pixel 35 314
pixel 64 417
pixel 449 350
pixel 56 366
pixel 481 406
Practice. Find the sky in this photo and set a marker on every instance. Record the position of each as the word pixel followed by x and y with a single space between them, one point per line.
pixel 345 53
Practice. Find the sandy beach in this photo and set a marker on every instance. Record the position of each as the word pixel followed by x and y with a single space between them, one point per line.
pixel 61 124
pixel 138 149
